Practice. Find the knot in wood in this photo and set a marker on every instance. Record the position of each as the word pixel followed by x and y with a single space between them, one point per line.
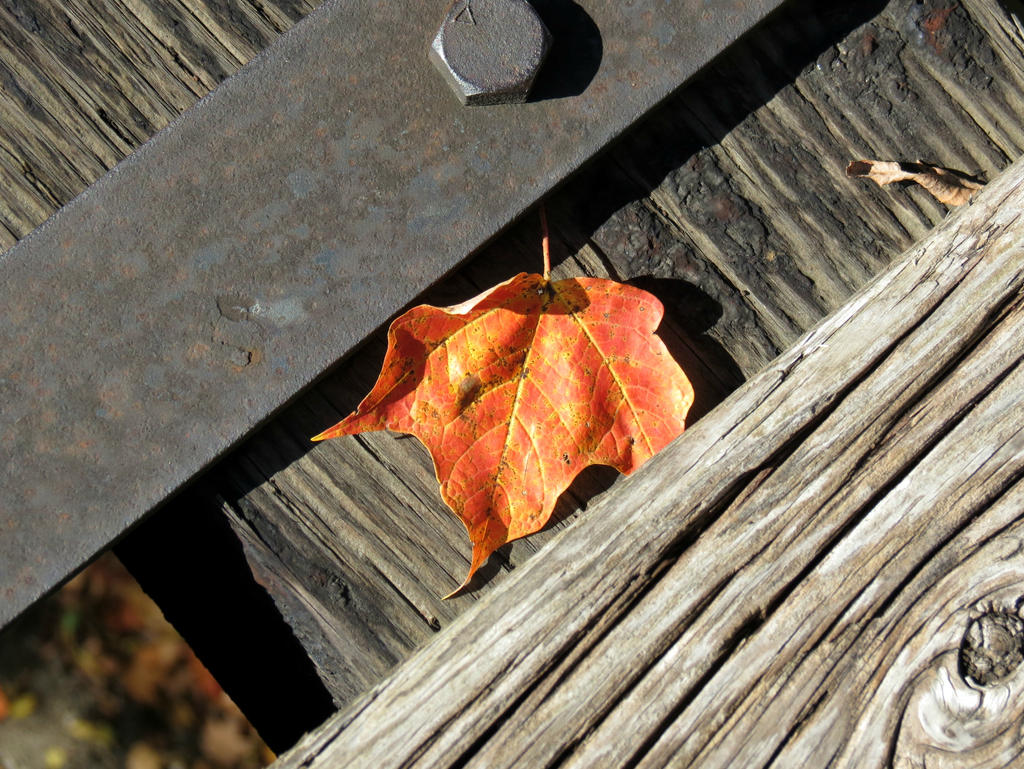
pixel 992 648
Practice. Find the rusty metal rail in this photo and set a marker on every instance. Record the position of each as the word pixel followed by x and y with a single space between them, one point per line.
pixel 224 266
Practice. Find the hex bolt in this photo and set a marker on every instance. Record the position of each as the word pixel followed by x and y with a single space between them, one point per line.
pixel 490 51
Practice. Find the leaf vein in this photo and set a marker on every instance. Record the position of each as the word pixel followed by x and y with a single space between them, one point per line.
pixel 615 376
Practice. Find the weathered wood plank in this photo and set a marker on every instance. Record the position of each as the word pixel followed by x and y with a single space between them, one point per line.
pixel 764 204
pixel 84 83
pixel 736 206
pixel 357 535
pixel 909 482
pixel 745 225
pixel 764 588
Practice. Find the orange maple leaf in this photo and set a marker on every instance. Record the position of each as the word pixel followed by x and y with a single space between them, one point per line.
pixel 516 391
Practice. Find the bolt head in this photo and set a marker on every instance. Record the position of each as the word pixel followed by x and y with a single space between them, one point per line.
pixel 490 51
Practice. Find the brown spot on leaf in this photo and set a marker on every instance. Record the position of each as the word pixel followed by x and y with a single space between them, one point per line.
pixel 468 389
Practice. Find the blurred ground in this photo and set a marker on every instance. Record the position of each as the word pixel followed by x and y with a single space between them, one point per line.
pixel 95 677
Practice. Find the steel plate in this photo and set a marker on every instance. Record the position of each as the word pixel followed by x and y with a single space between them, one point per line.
pixel 185 296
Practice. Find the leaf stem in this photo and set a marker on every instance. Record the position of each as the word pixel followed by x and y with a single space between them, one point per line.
pixel 545 242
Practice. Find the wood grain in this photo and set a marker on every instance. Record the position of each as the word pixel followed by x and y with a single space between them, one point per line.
pixel 782 582
pixel 730 202
pixel 84 83
pixel 738 215
pixel 758 215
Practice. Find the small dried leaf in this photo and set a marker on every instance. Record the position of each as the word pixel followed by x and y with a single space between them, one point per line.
pixel 950 187
pixel 23 706
pixel 142 755
pixel 97 733
pixel 55 757
pixel 150 670
pixel 226 738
